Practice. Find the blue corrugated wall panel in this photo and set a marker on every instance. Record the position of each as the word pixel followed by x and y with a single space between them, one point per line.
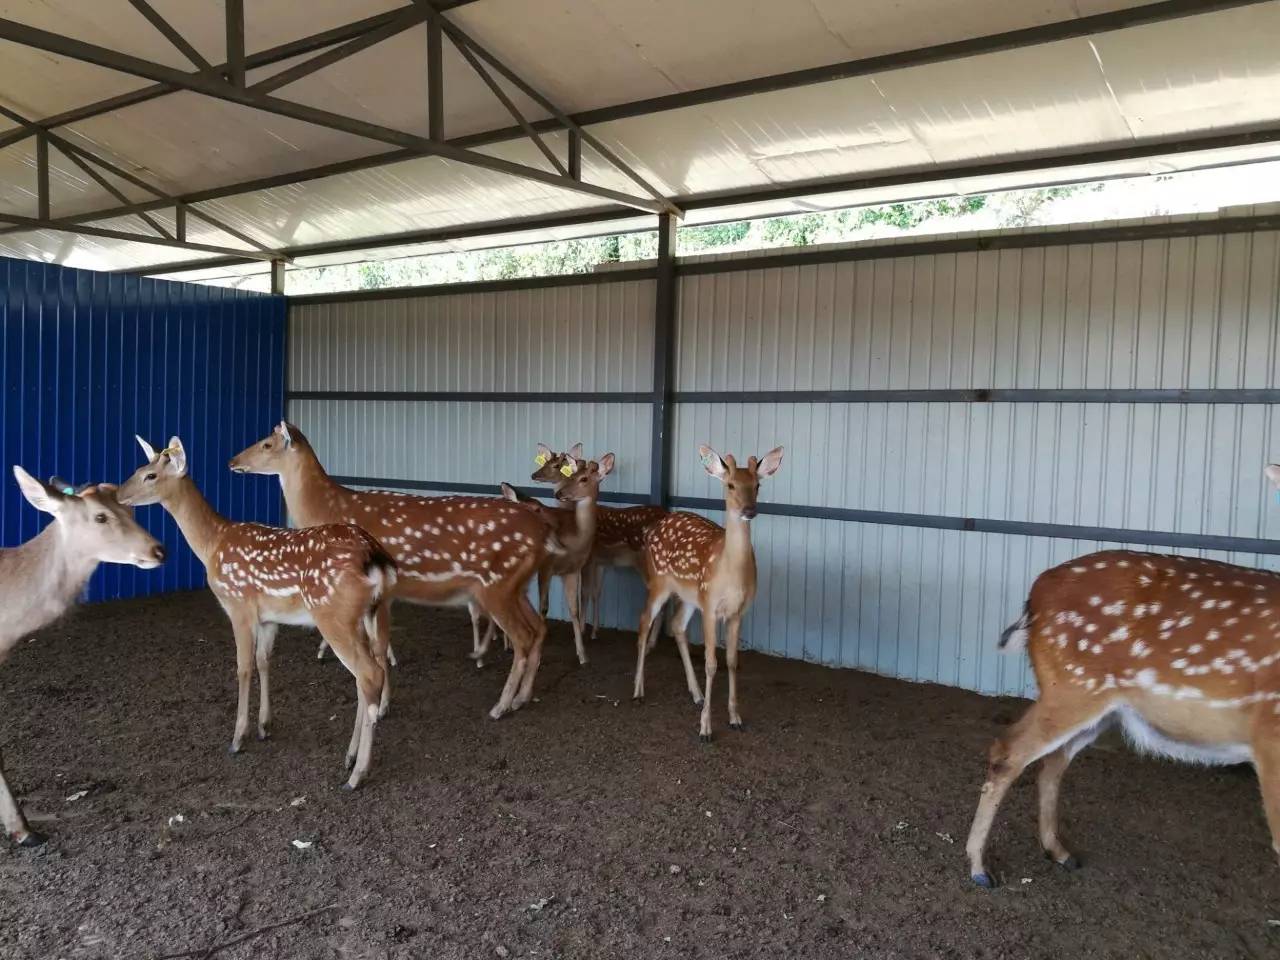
pixel 89 359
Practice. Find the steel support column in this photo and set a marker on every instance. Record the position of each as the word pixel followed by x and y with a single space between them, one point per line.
pixel 664 356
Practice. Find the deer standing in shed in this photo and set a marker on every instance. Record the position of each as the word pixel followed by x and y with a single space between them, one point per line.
pixel 711 569
pixel 575 530
pixel 334 577
pixel 1182 653
pixel 450 550
pixel 619 539
pixel 41 579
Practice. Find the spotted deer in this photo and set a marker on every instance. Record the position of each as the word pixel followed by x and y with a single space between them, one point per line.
pixel 575 529
pixel 41 579
pixel 619 538
pixel 711 569
pixel 1183 654
pixel 334 577
pixel 449 550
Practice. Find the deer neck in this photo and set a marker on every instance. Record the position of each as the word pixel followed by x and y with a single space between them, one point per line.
pixel 738 553
pixel 201 525
pixel 41 579
pixel 584 515
pixel 310 495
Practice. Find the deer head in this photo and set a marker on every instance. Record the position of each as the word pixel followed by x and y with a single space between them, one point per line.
pixel 93 522
pixel 157 479
pixel 272 454
pixel 741 484
pixel 551 464
pixel 582 481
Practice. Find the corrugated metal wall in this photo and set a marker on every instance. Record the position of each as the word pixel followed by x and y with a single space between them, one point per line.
pixel 590 337
pixel 1187 313
pixel 90 359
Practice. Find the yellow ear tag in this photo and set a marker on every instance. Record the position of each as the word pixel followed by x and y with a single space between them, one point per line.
pixel 540 459
pixel 167 451
pixel 568 470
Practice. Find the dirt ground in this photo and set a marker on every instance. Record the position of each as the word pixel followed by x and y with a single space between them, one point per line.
pixel 584 826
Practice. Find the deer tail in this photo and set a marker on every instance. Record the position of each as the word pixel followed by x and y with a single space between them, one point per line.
pixel 1015 635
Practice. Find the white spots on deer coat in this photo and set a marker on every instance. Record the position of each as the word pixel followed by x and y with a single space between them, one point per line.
pixel 1095 601
pixel 1140 649
pixel 1114 609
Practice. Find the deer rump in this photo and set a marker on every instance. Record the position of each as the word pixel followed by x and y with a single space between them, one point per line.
pixel 1177 651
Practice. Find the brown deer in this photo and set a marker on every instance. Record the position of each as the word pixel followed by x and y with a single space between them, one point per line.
pixel 578 483
pixel 619 538
pixel 450 550
pixel 335 577
pixel 1183 654
pixel 711 569
pixel 41 579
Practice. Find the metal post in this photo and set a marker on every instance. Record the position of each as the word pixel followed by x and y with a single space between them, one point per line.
pixel 42 174
pixel 235 42
pixel 664 356
pixel 180 221
pixel 435 79
pixel 575 154
pixel 277 277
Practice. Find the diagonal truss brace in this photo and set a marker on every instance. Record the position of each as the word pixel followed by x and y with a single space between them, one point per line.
pixel 200 83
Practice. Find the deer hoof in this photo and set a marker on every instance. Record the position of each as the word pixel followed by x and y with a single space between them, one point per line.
pixel 697 703
pixel 704 737
pixel 350 787
pixel 738 725
pixel 984 880
pixel 32 839
pixel 234 749
pixel 496 713
pixel 264 733
pixel 1072 863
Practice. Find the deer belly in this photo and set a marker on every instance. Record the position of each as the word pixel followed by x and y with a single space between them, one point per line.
pixel 619 555
pixel 1192 733
pixel 294 617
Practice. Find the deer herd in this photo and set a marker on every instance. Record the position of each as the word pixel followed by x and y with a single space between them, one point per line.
pixel 1181 653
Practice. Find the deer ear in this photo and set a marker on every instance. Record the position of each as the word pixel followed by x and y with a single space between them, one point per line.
pixel 770 463
pixel 39 495
pixel 147 448
pixel 712 462
pixel 283 430
pixel 606 464
pixel 509 492
pixel 178 456
pixel 576 451
pixel 545 451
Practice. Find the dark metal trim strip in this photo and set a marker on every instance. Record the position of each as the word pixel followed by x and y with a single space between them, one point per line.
pixel 1059 531
pixel 982 395
pixel 447 396
pixel 481 489
pixel 481 286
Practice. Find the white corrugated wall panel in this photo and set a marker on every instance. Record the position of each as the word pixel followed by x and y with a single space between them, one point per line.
pixel 928 604
pixel 596 337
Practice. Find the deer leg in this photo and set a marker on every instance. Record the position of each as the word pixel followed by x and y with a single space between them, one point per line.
pixel 732 633
pixel 324 645
pixel 681 627
pixel 593 584
pixel 1052 768
pixel 244 629
pixel 478 649
pixel 15 824
pixel 1040 731
pixel 380 644
pixel 652 606
pixel 512 621
pixel 351 644
pixel 1266 761
pixel 709 666
pixel 539 628
pixel 265 641
pixel 573 599
pixel 544 592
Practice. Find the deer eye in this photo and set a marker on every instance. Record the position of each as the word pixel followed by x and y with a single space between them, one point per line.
pixel 733 486
pixel 267 445
pixel 99 518
pixel 150 476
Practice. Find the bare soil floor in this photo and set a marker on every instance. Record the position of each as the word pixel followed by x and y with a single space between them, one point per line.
pixel 584 826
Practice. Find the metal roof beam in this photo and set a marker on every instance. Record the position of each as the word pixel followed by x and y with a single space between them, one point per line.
pixel 702 201
pixel 200 83
pixel 263 58
pixel 88 230
pixel 168 31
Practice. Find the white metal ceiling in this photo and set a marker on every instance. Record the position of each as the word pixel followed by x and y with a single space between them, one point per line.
pixel 1196 75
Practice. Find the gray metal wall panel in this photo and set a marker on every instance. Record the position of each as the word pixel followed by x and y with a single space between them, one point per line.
pixel 595 337
pixel 929 604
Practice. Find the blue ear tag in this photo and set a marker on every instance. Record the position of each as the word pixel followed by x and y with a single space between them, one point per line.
pixel 69 491
pixel 707 460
